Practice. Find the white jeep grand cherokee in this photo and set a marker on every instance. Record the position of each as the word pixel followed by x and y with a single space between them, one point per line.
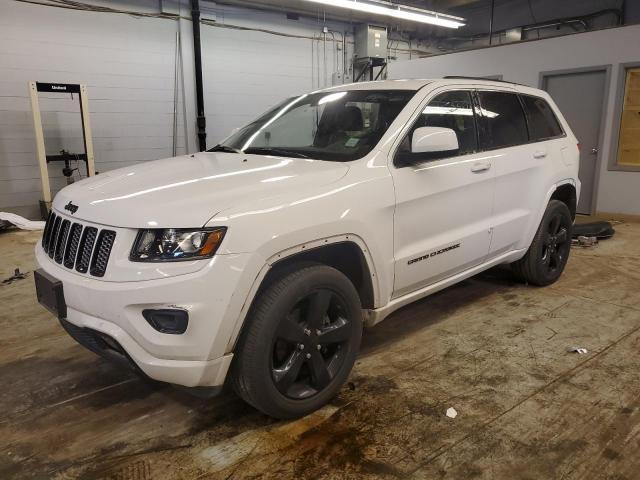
pixel 262 258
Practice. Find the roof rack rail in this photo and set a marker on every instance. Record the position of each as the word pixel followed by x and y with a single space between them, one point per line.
pixel 462 77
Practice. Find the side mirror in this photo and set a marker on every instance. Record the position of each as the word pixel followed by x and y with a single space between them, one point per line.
pixel 434 139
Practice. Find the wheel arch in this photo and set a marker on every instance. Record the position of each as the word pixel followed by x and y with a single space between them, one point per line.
pixel 336 251
pixel 564 190
pixel 340 255
pixel 567 194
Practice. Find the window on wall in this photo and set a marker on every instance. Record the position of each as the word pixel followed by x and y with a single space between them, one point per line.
pixel 629 140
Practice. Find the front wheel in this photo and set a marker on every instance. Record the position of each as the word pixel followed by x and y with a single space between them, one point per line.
pixel 300 343
pixel 547 256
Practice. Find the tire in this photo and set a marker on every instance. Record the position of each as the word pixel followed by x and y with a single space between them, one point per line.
pixel 547 256
pixel 300 342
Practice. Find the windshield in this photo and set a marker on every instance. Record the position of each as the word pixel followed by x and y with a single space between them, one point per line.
pixel 338 126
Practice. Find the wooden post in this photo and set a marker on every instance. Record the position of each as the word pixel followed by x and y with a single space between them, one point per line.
pixel 86 128
pixel 40 151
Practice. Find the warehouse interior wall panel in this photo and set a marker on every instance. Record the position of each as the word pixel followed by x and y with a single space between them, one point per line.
pixel 247 72
pixel 127 64
pixel 617 191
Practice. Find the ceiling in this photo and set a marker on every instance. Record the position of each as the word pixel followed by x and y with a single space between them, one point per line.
pixel 340 14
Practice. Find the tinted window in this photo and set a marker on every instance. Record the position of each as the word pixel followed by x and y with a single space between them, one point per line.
pixel 452 110
pixel 542 121
pixel 504 120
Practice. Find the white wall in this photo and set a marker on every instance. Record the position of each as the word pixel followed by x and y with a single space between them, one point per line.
pixel 128 65
pixel 618 191
pixel 246 72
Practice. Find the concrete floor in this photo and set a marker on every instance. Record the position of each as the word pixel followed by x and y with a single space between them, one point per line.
pixel 493 349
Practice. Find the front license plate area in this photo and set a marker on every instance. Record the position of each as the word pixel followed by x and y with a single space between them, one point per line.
pixel 50 293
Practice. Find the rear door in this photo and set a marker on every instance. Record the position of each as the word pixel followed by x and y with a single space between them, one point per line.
pixel 519 167
pixel 443 203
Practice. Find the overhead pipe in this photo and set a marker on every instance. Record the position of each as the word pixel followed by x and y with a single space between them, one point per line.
pixel 201 120
pixel 583 20
pixel 491 22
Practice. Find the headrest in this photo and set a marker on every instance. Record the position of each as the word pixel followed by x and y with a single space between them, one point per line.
pixel 351 119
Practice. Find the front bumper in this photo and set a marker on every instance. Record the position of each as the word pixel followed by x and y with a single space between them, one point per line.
pixel 197 357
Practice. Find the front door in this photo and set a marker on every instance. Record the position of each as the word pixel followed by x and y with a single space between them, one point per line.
pixel 580 97
pixel 442 222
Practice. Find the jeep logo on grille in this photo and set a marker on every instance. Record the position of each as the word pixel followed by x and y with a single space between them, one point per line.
pixel 71 207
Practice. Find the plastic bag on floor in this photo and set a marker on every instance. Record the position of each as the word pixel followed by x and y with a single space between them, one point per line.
pixel 21 222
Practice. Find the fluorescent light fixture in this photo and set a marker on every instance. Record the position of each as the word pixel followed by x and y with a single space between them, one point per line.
pixel 394 10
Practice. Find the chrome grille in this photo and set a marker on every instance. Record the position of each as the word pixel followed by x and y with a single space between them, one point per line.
pixel 73 245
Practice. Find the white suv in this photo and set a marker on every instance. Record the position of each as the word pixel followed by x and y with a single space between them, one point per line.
pixel 263 258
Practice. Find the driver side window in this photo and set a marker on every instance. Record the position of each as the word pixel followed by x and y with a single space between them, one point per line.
pixel 452 110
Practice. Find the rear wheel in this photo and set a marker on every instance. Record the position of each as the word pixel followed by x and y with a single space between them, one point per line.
pixel 547 256
pixel 300 343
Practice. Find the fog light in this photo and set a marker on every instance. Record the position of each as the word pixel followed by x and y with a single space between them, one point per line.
pixel 167 320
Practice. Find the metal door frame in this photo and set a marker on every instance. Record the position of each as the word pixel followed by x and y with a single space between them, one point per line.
pixel 542 82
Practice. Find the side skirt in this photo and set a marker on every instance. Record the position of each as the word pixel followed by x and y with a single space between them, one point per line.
pixel 373 317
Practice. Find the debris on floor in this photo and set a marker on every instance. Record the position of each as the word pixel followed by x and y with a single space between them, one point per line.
pixel 17 275
pixel 600 230
pixel 579 350
pixel 451 412
pixel 582 241
pixel 20 222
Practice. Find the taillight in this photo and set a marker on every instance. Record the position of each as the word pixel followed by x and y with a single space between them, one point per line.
pixel 578 145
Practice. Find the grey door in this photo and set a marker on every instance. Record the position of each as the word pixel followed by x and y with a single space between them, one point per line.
pixel 580 97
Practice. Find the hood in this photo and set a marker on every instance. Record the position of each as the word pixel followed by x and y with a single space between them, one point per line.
pixel 187 191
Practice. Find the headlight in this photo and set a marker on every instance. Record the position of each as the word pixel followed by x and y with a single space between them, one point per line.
pixel 175 244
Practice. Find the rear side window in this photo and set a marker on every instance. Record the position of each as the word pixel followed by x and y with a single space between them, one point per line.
pixel 505 123
pixel 543 123
pixel 452 110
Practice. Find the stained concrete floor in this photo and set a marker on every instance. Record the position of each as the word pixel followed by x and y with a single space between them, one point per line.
pixel 494 350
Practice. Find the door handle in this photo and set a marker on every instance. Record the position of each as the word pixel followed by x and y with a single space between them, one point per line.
pixel 480 167
pixel 539 154
pixel 594 150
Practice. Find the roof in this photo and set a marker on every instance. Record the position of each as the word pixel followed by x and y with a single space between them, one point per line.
pixel 409 84
pixel 416 84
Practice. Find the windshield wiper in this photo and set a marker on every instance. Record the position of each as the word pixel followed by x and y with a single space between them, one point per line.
pixel 282 152
pixel 224 148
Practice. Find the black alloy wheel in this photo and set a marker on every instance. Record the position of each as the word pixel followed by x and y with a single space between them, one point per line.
pixel 549 251
pixel 308 346
pixel 557 242
pixel 299 342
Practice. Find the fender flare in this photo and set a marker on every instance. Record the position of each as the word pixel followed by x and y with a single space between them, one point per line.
pixel 540 213
pixel 289 252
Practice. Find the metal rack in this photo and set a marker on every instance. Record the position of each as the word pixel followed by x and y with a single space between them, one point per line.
pixel 66 157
